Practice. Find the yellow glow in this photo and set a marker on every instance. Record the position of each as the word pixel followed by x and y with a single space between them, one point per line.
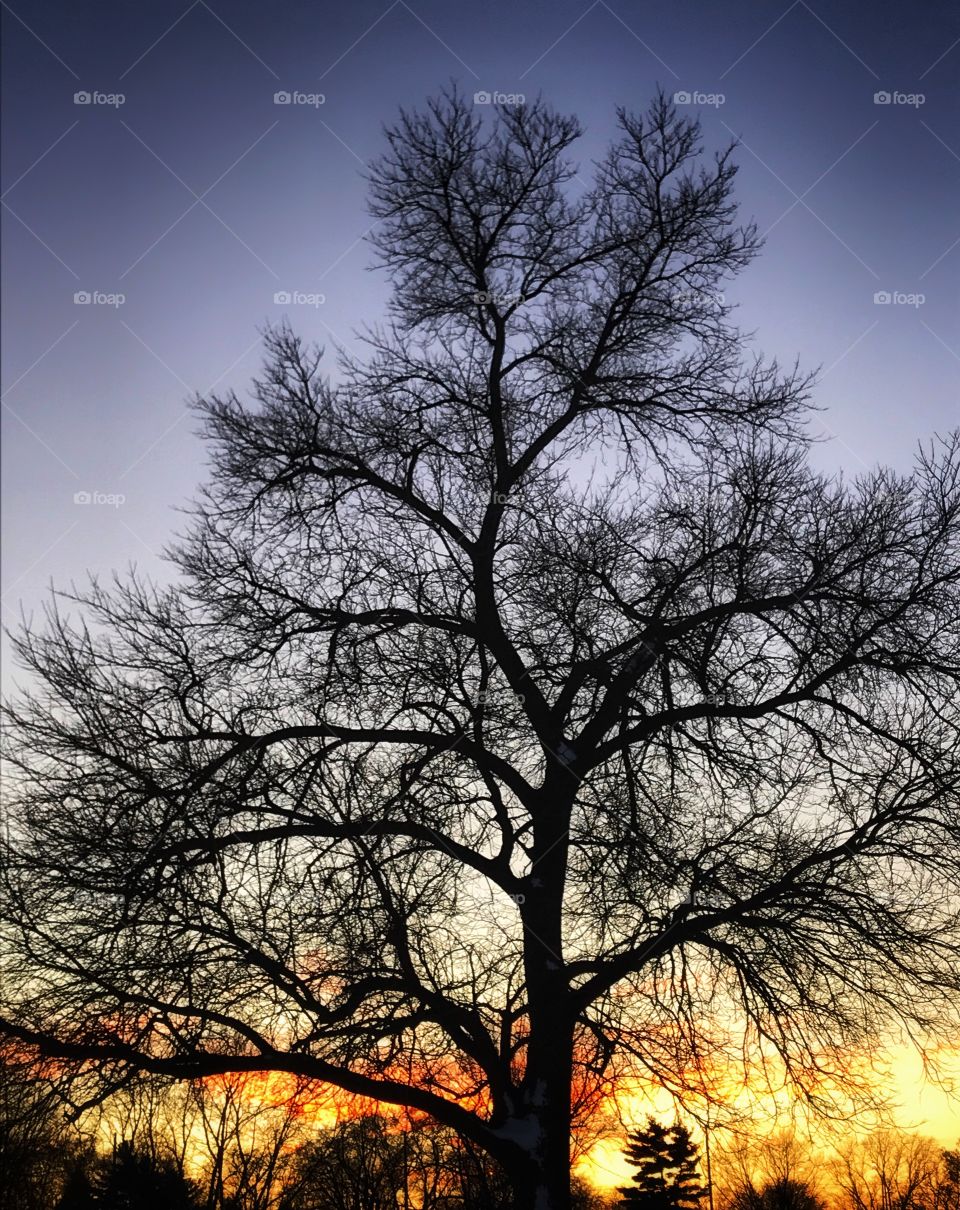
pixel 918 1104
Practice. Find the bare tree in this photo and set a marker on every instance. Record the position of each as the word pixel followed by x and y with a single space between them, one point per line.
pixel 446 1172
pixel 527 707
pixel 948 1181
pixel 357 1165
pixel 38 1147
pixel 148 1113
pixel 780 1171
pixel 889 1170
pixel 780 1194
pixel 753 1158
pixel 248 1134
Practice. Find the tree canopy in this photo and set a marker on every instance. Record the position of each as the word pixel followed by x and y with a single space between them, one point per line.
pixel 525 708
pixel 667 1168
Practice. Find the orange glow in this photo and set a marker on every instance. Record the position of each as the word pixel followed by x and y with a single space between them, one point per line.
pixel 916 1103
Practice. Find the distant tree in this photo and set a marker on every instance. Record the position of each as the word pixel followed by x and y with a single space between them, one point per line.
pixel 38 1148
pixel 132 1180
pixel 667 1163
pixel 780 1194
pixel 78 1190
pixel 889 1170
pixel 762 1172
pixel 243 1143
pixel 527 704
pixel 450 1173
pixel 947 1196
pixel 152 1115
pixel 585 1196
pixel 460 1175
pixel 357 1165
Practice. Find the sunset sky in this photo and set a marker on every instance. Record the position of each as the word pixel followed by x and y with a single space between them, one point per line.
pixel 159 199
pixel 917 1103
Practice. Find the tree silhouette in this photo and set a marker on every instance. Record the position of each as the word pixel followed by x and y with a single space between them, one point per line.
pixel 130 1180
pixel 38 1149
pixel 358 1165
pixel 948 1185
pixel 889 1170
pixel 78 1191
pixel 782 1193
pixel 526 705
pixel 667 1163
pixel 769 1171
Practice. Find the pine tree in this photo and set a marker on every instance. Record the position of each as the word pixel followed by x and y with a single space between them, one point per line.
pixel 130 1180
pixel 78 1189
pixel 666 1161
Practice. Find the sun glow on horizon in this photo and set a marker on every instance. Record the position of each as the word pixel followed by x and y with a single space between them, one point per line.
pixel 917 1103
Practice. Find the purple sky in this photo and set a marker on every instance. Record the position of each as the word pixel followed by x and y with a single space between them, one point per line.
pixel 198 198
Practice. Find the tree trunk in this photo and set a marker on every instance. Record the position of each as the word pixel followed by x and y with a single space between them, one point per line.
pixel 543 1183
pixel 541 1180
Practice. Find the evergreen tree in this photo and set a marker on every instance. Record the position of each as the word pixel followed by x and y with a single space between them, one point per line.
pixel 130 1180
pixel 948 1186
pixel 666 1161
pixel 78 1189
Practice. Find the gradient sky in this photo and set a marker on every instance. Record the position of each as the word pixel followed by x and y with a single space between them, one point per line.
pixel 198 198
pixel 856 198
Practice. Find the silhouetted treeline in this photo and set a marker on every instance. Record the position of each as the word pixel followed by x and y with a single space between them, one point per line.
pixel 238 1145
pixel 225 1146
pixel 885 1170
